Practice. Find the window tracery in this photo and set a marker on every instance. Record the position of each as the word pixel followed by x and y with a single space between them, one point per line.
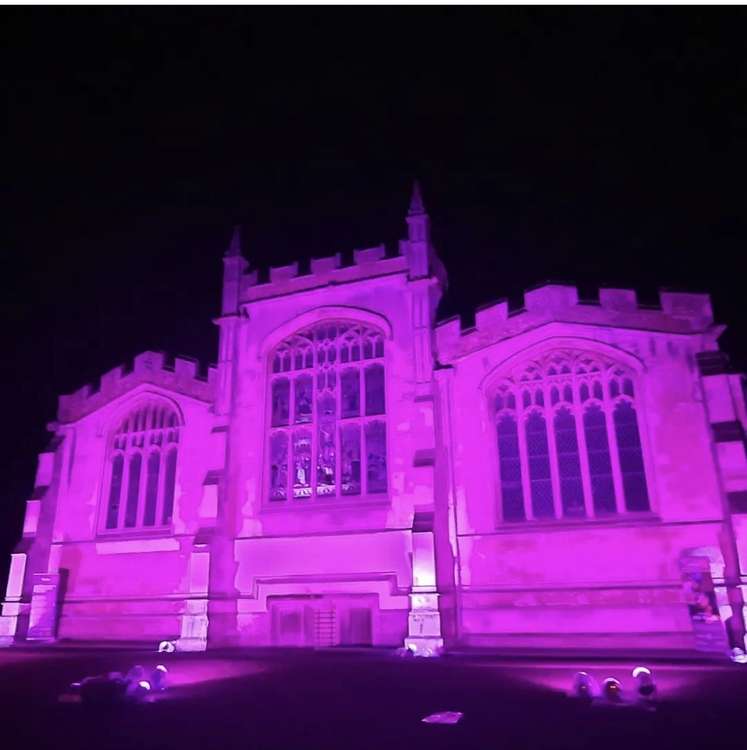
pixel 142 469
pixel 568 439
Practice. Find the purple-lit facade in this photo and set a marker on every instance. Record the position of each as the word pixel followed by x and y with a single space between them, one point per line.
pixel 354 472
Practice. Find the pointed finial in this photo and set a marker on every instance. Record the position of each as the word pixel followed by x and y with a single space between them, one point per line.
pixel 234 249
pixel 416 201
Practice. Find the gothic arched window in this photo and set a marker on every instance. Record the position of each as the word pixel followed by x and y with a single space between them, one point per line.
pixel 327 405
pixel 142 469
pixel 568 439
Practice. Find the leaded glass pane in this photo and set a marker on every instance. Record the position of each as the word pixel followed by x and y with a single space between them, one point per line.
pixel 351 393
pixel 151 489
pixel 151 426
pixel 631 458
pixel 350 439
pixel 538 455
pixel 600 465
pixel 302 398
pixel 512 493
pixel 315 466
pixel 569 466
pixel 326 458
pixel 280 402
pixel 169 487
pixel 301 463
pixel 374 389
pixel 133 490
pixel 375 457
pixel 279 466
pixel 115 490
pixel 327 406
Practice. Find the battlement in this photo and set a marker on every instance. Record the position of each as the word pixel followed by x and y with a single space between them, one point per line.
pixel 679 312
pixel 368 263
pixel 147 367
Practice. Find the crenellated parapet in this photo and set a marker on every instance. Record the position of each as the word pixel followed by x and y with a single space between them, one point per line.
pixel 415 257
pixel 677 313
pixel 368 263
pixel 147 367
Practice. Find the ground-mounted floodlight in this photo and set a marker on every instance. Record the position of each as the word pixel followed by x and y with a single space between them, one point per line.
pixel 612 690
pixel 422 647
pixel 158 678
pixel 113 688
pixel 136 691
pixel 645 684
pixel 585 686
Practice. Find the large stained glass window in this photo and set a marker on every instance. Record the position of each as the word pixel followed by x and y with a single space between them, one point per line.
pixel 142 469
pixel 327 435
pixel 568 439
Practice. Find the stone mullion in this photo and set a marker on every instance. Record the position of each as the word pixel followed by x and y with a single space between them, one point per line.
pixel 291 431
pixel 288 462
pixel 140 507
pixel 524 460
pixel 583 454
pixel 608 409
pixel 363 421
pixel 161 490
pixel 314 428
pixel 557 501
pixel 338 425
pixel 124 490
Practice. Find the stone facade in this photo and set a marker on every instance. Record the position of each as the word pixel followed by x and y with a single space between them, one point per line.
pixel 354 472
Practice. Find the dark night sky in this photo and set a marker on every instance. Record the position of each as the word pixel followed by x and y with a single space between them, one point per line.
pixel 595 145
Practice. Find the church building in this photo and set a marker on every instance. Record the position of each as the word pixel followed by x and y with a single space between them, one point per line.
pixel 353 471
